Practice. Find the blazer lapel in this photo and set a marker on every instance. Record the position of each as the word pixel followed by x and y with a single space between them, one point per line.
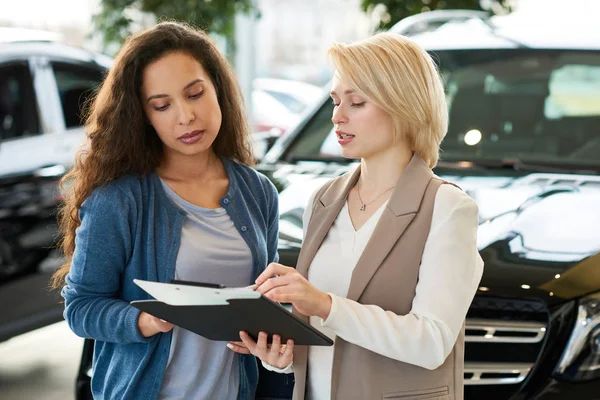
pixel 325 211
pixel 326 208
pixel 399 213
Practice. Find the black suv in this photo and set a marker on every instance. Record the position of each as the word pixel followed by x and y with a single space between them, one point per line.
pixel 524 142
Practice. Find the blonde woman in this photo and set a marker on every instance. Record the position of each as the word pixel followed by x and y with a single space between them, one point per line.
pixel 389 264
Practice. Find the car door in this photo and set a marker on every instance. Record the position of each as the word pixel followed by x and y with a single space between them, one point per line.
pixel 40 131
pixel 27 229
pixel 41 112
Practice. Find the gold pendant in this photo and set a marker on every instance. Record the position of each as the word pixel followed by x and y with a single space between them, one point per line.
pixel 362 207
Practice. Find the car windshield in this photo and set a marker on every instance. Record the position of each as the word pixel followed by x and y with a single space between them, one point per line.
pixel 537 106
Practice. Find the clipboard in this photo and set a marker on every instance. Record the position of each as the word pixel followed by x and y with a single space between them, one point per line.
pixel 220 313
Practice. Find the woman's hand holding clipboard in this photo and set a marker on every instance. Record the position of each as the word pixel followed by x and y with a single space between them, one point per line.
pixel 284 285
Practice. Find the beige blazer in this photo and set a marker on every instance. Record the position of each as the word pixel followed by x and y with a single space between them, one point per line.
pixel 386 275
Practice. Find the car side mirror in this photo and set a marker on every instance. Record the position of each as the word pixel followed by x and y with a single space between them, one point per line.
pixel 3 132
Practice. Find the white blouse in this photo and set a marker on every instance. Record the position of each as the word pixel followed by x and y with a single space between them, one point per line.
pixel 450 271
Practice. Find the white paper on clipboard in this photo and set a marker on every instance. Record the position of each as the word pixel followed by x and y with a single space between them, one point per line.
pixel 186 295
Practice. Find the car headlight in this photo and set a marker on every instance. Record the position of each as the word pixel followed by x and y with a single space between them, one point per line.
pixel 581 358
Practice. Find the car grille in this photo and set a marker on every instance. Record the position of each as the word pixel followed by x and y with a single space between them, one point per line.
pixel 560 180
pixel 503 338
pixel 500 331
pixel 495 331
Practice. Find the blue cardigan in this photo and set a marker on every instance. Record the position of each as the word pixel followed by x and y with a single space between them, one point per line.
pixel 131 229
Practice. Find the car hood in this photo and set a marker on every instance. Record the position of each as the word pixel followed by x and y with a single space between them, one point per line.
pixel 537 233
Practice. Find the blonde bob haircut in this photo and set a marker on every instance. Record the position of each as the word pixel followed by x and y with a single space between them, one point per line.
pixel 398 75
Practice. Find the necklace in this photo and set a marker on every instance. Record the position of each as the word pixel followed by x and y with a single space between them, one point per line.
pixel 363 205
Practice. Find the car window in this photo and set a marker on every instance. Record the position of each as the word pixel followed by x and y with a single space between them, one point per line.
pixel 18 109
pixel 535 105
pixel 528 104
pixel 75 85
pixel 574 91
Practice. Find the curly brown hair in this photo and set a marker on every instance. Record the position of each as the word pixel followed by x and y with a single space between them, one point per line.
pixel 121 141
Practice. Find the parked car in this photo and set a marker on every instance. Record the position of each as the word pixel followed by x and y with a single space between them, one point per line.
pixel 270 115
pixel 296 96
pixel 278 104
pixel 43 85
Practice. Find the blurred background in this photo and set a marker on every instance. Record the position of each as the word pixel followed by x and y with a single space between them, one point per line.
pixel 277 48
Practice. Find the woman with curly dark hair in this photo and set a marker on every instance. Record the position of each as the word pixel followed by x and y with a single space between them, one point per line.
pixel 163 190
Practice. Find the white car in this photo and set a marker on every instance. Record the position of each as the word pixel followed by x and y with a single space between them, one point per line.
pixel 296 96
pixel 43 85
pixel 278 104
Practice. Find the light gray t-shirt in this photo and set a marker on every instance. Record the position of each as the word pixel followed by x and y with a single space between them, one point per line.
pixel 212 250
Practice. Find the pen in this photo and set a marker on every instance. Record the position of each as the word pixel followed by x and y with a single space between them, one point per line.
pixel 255 286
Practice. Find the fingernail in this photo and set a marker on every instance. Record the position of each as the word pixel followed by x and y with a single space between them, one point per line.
pixel 230 346
pixel 162 320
